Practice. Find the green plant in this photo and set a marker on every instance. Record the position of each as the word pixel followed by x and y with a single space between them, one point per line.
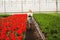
pixel 49 24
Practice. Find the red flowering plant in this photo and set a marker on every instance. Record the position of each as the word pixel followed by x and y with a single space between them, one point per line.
pixel 12 27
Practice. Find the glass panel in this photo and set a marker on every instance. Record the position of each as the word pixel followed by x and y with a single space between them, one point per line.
pixel 48 5
pixel 1 6
pixel 58 6
pixel 13 6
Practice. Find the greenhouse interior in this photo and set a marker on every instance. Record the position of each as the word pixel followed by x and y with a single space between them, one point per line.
pixel 29 19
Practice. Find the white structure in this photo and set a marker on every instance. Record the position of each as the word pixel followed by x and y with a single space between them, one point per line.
pixel 25 5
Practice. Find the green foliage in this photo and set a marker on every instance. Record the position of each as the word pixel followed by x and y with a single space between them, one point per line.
pixel 4 15
pixel 49 24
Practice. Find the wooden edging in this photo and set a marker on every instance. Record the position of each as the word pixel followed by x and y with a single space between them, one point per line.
pixel 38 29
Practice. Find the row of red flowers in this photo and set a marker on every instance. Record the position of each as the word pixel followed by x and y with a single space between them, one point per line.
pixel 12 27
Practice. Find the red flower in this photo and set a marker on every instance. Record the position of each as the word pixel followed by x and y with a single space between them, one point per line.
pixel 14 23
pixel 12 36
pixel 19 37
pixel 7 38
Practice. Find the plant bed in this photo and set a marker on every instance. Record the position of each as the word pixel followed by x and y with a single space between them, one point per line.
pixel 13 27
pixel 49 24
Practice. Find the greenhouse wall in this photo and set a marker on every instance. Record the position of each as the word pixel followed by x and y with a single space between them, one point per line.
pixel 25 5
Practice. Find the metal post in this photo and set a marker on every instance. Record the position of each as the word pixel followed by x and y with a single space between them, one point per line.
pixel 39 5
pixel 56 6
pixel 22 6
pixel 4 3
